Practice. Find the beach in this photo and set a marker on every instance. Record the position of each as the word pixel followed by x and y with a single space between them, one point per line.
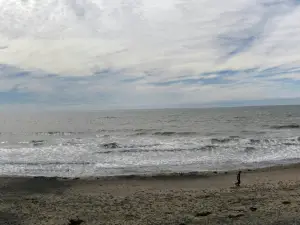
pixel 157 167
pixel 265 196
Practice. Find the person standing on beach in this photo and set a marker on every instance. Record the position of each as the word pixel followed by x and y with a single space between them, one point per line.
pixel 238 177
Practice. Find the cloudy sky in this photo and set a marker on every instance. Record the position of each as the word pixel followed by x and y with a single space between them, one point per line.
pixel 147 53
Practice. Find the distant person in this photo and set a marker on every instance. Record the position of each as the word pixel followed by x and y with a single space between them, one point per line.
pixel 238 177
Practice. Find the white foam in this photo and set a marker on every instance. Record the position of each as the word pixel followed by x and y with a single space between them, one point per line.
pixel 76 157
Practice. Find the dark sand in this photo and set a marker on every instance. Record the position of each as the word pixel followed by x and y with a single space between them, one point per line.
pixel 266 196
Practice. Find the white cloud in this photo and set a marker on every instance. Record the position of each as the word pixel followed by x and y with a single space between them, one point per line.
pixel 157 40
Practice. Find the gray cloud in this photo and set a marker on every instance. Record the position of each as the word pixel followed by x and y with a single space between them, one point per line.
pixel 114 51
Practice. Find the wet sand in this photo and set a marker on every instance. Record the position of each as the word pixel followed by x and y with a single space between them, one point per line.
pixel 266 196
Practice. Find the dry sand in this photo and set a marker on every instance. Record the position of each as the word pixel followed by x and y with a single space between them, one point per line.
pixel 266 196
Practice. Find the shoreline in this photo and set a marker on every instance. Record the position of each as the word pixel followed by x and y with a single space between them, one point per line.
pixel 266 196
pixel 166 175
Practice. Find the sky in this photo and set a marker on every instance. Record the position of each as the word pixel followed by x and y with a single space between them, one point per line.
pixel 147 53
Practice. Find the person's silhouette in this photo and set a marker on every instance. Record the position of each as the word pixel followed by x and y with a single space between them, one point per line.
pixel 238 177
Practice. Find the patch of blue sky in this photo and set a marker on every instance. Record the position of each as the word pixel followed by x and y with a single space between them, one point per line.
pixel 22 74
pixel 287 81
pixel 269 72
pixel 229 72
pixel 16 97
pixel 214 80
pixel 108 72
pixel 238 45
pixel 132 80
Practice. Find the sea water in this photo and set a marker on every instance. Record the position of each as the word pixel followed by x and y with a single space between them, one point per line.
pixel 123 142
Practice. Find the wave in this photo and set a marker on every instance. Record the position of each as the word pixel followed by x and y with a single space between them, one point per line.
pixel 222 140
pixel 143 130
pixel 220 144
pixel 160 175
pixel 58 133
pixel 37 142
pixel 290 144
pixel 139 130
pixel 170 121
pixel 249 149
pixel 45 163
pixel 234 137
pixel 254 141
pixel 140 134
pixel 73 142
pixel 171 133
pixel 288 126
pixel 137 150
pixel 115 145
pixel 251 132
pixel 240 117
pixel 141 145
pixel 209 147
pixel 111 145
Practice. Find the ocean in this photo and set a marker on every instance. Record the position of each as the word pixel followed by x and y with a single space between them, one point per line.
pixel 138 142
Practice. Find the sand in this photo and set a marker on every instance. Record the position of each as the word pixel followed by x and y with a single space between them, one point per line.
pixel 266 196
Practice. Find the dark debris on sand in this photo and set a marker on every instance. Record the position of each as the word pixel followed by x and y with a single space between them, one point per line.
pixel 238 215
pixel 203 214
pixel 76 221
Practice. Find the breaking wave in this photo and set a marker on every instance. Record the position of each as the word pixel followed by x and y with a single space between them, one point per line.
pixel 289 126
pixel 37 142
pixel 45 163
pixel 141 150
pixel 224 140
pixel 111 145
pixel 171 133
